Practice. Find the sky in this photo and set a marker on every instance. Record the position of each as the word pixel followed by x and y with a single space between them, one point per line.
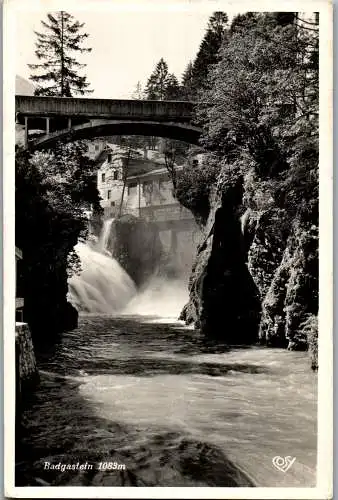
pixel 126 45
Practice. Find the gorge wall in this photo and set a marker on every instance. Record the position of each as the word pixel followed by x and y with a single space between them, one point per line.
pixel 255 278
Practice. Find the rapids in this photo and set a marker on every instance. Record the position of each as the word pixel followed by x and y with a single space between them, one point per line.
pixel 133 386
pixel 152 396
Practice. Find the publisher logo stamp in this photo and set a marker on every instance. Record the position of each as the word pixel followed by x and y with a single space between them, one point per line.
pixel 283 464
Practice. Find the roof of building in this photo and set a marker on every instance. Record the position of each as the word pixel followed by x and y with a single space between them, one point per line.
pixel 154 172
pixel 140 163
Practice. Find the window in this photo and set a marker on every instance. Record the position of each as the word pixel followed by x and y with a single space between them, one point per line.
pixel 97 147
pixel 103 177
pixel 147 187
pixel 109 157
pixel 115 175
pixel 112 203
pixel 195 162
pixel 109 194
pixel 132 187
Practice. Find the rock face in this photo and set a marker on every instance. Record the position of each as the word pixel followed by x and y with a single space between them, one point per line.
pixel 46 303
pixel 255 278
pixel 224 301
pixel 135 244
pixel 292 295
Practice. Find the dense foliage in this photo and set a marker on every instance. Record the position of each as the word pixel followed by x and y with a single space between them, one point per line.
pixel 58 72
pixel 262 114
pixel 193 186
pixel 259 112
pixel 53 192
pixel 195 75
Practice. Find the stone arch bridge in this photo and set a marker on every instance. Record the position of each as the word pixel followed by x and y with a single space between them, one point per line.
pixel 70 119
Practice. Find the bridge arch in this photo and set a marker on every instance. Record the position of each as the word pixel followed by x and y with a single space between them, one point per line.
pixel 100 128
pixel 81 118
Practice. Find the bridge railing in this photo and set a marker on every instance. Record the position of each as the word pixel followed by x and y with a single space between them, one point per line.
pixel 102 108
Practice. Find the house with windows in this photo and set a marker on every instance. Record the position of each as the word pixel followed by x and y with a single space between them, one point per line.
pixel 147 182
pixel 149 191
pixel 96 147
pixel 113 162
pixel 110 178
pixel 148 194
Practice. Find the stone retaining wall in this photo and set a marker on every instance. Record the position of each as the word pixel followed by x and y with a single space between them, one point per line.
pixel 26 369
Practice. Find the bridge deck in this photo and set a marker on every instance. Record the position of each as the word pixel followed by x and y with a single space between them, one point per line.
pixel 104 108
pixel 68 118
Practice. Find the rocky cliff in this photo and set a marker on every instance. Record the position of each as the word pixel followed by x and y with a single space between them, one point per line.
pixel 255 276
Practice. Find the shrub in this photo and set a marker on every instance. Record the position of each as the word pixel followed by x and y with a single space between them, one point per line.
pixel 193 188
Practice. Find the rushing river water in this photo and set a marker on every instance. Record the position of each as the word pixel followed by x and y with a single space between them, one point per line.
pixel 149 395
pixel 145 394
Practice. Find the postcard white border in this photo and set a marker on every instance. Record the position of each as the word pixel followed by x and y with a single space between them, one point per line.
pixel 323 489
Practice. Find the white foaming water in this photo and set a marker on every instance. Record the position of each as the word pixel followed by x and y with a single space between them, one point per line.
pixel 251 417
pixel 102 243
pixel 102 286
pixel 163 298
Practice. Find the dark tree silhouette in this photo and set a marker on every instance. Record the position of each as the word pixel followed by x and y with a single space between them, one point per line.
pixel 57 73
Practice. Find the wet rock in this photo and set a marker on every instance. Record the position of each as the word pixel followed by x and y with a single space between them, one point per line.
pixel 255 276
pixel 205 462
pixel 224 301
pixel 310 327
pixel 135 244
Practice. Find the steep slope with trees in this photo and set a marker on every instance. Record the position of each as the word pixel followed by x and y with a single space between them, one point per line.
pixel 256 273
pixel 52 192
pixel 195 76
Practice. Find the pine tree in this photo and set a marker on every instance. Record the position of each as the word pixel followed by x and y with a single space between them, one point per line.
pixel 187 82
pixel 217 23
pixel 172 90
pixel 57 73
pixel 208 51
pixel 243 22
pixel 138 93
pixel 157 82
pixel 161 85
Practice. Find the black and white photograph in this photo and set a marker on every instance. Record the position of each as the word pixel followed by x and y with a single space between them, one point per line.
pixel 167 229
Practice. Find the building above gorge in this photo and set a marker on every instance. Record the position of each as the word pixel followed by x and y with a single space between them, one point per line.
pixel 147 181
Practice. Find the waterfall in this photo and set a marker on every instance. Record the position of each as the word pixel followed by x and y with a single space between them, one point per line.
pixel 103 241
pixel 102 286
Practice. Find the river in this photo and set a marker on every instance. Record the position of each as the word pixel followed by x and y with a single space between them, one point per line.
pixel 143 401
pixel 150 395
